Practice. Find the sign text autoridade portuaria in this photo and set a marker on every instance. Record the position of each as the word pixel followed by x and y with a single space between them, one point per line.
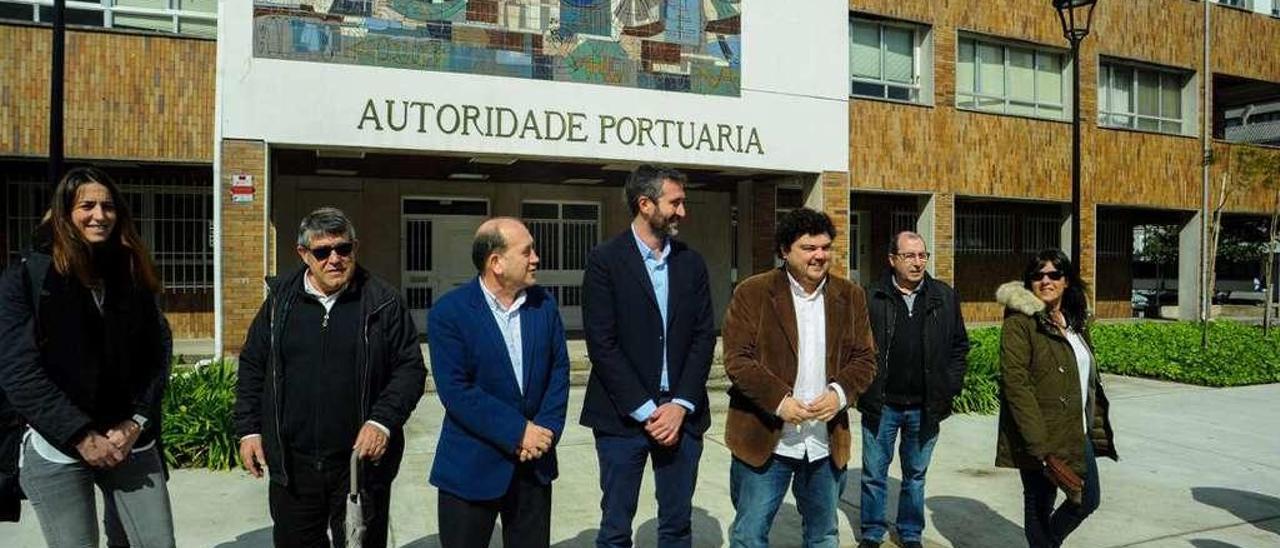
pixel 552 125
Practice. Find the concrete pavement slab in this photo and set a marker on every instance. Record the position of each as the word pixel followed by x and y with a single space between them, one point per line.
pixel 1200 467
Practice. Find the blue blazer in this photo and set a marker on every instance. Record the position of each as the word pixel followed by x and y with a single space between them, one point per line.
pixel 485 413
pixel 624 335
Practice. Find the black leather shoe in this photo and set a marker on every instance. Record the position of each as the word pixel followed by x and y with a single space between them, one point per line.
pixel 912 544
pixel 868 544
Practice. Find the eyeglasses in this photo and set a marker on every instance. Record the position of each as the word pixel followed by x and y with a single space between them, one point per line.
pixel 913 256
pixel 343 250
pixel 1054 275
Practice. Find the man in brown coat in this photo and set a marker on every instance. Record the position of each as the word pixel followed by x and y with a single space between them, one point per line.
pixel 798 349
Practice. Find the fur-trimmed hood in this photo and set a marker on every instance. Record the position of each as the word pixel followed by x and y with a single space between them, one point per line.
pixel 1014 296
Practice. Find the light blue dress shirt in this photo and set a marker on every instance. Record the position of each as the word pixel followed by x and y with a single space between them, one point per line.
pixel 508 320
pixel 655 264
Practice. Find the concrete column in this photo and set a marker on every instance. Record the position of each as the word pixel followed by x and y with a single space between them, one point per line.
pixel 244 228
pixel 832 188
pixel 1189 260
pixel 1065 231
pixel 937 226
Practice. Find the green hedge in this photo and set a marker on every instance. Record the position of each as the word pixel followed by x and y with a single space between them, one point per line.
pixel 198 430
pixel 1238 355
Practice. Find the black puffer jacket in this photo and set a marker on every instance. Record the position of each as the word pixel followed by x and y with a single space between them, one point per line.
pixel 79 370
pixel 946 349
pixel 391 368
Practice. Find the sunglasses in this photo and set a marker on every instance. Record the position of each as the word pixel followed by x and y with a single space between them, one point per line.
pixel 343 250
pixel 1054 275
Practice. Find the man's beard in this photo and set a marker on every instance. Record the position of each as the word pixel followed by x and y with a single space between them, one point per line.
pixel 663 226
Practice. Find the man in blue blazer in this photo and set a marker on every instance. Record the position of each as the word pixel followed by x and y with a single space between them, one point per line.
pixel 501 368
pixel 650 335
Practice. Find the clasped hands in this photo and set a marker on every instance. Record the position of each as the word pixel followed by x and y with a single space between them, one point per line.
pixel 823 408
pixel 537 441
pixel 664 424
pixel 110 449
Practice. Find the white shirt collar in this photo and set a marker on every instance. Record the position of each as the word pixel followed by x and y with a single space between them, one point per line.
pixel 311 289
pixel 798 290
pixel 903 290
pixel 496 305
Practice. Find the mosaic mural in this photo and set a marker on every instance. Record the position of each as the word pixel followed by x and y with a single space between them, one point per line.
pixel 690 46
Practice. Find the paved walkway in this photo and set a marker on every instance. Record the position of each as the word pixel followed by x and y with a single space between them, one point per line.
pixel 1200 467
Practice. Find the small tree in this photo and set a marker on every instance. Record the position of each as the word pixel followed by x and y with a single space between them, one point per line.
pixel 1160 248
pixel 1259 167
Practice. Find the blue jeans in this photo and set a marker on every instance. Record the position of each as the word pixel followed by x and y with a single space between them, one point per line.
pixel 877 454
pixel 675 472
pixel 1046 527
pixel 62 497
pixel 757 492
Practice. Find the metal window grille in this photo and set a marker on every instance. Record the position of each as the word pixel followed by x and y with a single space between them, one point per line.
pixel 172 213
pixel 191 17
pixel 1040 231
pixel 982 233
pixel 1111 238
pixel 563 233
pixel 902 219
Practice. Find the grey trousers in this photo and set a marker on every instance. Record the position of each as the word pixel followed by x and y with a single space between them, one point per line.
pixel 62 497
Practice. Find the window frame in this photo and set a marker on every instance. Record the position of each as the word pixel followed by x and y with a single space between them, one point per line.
pixel 179 18
pixel 1063 105
pixel 920 90
pixel 1108 66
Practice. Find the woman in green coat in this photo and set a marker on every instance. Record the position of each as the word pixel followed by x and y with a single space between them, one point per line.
pixel 1053 413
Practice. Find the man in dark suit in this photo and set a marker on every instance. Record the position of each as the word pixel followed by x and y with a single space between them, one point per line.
pixel 502 372
pixel 650 335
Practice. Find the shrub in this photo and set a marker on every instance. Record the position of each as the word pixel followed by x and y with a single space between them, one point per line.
pixel 981 391
pixel 1238 355
pixel 198 430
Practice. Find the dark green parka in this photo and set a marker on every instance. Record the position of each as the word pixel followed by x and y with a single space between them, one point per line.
pixel 1040 390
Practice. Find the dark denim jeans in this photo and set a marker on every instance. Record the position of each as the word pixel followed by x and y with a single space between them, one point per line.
pixel 757 493
pixel 877 453
pixel 1046 527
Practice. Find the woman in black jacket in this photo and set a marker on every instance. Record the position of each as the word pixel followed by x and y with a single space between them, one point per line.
pixel 84 363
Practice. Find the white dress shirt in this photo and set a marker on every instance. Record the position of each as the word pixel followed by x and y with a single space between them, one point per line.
pixel 508 320
pixel 808 441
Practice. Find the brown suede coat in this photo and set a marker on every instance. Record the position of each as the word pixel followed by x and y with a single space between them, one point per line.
pixel 760 338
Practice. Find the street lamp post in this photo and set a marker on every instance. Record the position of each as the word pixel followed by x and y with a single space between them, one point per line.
pixel 1076 17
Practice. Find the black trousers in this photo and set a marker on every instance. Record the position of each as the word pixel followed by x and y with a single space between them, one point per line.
pixel 525 510
pixel 1046 527
pixel 312 509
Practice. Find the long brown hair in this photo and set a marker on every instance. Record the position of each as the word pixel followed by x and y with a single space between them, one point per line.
pixel 72 255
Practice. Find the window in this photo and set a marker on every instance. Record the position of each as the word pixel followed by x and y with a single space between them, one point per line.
pixel 788 199
pixel 563 233
pixel 1136 97
pixel 190 17
pixel 1111 238
pixel 173 214
pixel 903 220
pixel 1041 231
pixel 1011 79
pixel 984 233
pixel 885 60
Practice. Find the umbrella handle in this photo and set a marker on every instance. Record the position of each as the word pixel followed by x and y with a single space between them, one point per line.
pixel 355 472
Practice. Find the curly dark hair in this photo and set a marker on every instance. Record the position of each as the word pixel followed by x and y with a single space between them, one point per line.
pixel 1075 300
pixel 801 222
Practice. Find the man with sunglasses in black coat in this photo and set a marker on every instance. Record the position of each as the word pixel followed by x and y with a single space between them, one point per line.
pixel 331 365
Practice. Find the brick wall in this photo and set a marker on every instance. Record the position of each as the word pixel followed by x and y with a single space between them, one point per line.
pixel 244 228
pixel 835 201
pixel 127 96
pixel 764 201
